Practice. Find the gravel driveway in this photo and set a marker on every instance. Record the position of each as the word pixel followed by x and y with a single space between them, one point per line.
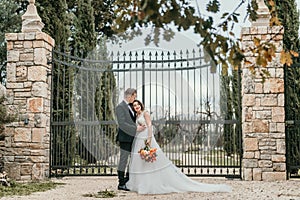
pixel 75 187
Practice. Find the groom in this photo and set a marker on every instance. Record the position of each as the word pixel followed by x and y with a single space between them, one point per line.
pixel 126 133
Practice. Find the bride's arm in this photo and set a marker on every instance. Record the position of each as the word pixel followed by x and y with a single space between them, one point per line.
pixel 149 125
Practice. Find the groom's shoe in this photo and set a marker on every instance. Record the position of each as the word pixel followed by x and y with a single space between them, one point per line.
pixel 123 187
pixel 126 179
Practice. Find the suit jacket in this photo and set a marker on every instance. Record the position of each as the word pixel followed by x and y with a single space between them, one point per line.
pixel 126 121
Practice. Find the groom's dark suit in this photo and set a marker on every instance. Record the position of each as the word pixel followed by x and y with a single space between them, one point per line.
pixel 126 133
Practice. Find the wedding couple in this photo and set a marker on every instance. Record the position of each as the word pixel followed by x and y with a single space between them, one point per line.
pixel 158 177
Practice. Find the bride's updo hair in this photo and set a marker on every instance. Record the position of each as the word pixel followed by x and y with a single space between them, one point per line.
pixel 140 103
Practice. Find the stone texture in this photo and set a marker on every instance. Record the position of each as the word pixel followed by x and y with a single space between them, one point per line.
pixel 273 176
pixel 251 144
pixel 249 155
pixel 40 56
pixel 13 170
pixel 265 164
pixel 249 100
pixel 263 114
pixel 269 100
pixel 26 169
pixel 278 114
pixel 260 126
pixel 27 152
pixel 280 167
pixel 37 73
pixel 2 91
pixel 38 134
pixel 278 158
pixel 250 163
pixel 257 174
pixel 248 174
pixel 280 146
pixel 274 85
pixel 35 105
pixel 38 171
pixel 22 135
pixel 40 89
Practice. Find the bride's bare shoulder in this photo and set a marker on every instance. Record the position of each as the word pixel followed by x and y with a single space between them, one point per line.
pixel 146 111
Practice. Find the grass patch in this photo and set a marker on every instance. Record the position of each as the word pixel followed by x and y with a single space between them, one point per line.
pixel 102 194
pixel 22 189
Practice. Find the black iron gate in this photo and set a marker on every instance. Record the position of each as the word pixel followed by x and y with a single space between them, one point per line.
pixel 292 116
pixel 195 108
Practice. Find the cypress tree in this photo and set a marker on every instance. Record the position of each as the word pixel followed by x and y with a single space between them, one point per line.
pixel 57 19
pixel 290 21
pixel 10 23
pixel 227 112
pixel 230 110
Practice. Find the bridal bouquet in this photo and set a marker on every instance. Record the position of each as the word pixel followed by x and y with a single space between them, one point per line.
pixel 148 154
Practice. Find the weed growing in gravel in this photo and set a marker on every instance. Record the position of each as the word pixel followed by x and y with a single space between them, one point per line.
pixel 102 194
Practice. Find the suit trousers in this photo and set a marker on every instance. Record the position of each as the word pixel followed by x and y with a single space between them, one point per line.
pixel 125 151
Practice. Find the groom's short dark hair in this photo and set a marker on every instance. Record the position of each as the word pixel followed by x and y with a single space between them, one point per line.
pixel 129 92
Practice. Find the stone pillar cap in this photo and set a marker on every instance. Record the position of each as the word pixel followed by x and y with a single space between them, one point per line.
pixel 31 21
pixel 263 15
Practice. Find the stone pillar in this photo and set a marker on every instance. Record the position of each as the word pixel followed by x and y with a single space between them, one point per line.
pixel 27 141
pixel 263 116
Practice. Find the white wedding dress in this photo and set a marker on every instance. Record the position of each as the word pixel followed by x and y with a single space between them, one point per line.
pixel 161 176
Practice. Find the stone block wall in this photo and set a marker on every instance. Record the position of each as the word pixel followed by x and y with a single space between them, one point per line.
pixel 28 88
pixel 263 115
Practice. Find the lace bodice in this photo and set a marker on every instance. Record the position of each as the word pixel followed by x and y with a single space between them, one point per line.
pixel 141 119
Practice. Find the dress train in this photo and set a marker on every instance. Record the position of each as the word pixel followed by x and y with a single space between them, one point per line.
pixel 161 176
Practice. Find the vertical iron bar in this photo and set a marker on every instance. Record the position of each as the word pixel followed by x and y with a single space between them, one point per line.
pixel 162 83
pixel 143 78
pixel 137 72
pixel 169 87
pixel 175 84
pixel 240 121
pixel 150 86
pixel 51 113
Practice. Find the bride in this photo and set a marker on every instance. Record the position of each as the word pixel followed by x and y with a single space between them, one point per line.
pixel 160 176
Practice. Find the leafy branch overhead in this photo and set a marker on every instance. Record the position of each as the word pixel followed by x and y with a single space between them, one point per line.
pixel 132 16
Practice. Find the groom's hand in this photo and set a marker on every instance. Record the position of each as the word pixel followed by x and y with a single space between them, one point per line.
pixel 140 128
